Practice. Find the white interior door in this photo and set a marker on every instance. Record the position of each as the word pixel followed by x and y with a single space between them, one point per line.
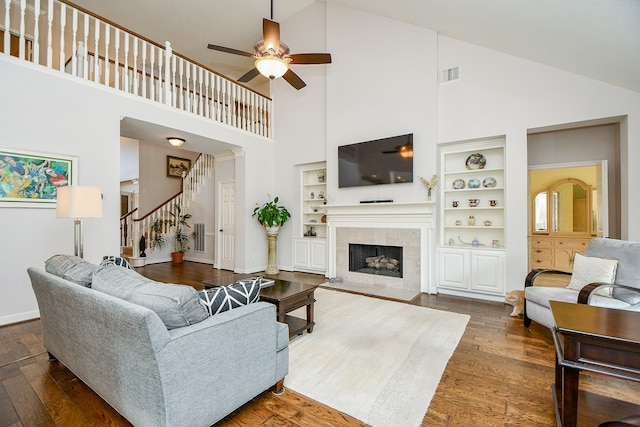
pixel 227 226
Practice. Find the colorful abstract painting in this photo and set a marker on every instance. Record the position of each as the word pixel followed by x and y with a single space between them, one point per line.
pixel 32 179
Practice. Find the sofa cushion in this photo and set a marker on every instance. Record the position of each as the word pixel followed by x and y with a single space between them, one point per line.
pixel 628 256
pixel 223 298
pixel 541 295
pixel 593 270
pixel 176 305
pixel 71 268
pixel 116 260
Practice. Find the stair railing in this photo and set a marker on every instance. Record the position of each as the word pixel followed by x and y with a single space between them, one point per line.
pixel 192 182
pixel 68 39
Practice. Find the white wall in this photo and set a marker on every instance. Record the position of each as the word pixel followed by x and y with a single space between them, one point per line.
pixel 384 81
pixel 500 94
pixel 129 155
pixel 55 113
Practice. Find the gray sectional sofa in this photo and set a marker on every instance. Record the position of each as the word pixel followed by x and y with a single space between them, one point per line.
pixel 154 374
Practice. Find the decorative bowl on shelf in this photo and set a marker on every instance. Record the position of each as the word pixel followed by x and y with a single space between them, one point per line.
pixel 476 161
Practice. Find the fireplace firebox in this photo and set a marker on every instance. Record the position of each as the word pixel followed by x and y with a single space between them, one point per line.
pixel 376 259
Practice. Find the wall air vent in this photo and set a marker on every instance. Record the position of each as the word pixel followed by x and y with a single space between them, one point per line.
pixel 450 74
pixel 198 242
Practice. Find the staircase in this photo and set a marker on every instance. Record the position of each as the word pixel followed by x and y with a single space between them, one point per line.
pixel 132 227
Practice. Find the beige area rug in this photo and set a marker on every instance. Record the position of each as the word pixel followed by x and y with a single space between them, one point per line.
pixel 377 290
pixel 376 360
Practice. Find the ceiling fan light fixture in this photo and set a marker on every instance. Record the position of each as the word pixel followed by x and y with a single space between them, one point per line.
pixel 272 66
pixel 406 151
pixel 176 142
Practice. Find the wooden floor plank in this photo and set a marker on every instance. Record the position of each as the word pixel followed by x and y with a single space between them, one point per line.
pixel 499 375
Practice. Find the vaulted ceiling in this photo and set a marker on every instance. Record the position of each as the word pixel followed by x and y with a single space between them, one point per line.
pixel 599 39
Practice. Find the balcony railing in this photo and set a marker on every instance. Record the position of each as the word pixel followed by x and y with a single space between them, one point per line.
pixel 63 38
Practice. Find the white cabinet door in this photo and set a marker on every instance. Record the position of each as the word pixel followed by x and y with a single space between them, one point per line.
pixel 300 253
pixel 487 271
pixel 453 268
pixel 318 255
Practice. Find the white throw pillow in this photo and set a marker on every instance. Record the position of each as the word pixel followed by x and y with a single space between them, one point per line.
pixel 591 269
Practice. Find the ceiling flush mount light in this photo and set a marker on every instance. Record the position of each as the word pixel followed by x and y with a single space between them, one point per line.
pixel 176 142
pixel 272 66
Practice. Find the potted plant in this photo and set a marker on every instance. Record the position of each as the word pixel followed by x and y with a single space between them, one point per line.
pixel 178 224
pixel 271 215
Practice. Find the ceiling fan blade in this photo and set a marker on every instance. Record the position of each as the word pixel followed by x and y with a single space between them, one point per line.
pixel 230 50
pixel 293 79
pixel 271 35
pixel 249 75
pixel 310 58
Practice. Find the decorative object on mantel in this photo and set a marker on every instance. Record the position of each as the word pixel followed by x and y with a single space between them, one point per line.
pixel 474 202
pixel 472 220
pixel 430 184
pixel 493 202
pixel 321 176
pixel 272 216
pixel 487 223
pixel 476 161
pixel 454 203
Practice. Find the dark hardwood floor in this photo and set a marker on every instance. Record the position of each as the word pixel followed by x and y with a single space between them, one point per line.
pixel 500 375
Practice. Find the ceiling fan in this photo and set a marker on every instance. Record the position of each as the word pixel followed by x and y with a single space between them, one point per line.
pixel 273 56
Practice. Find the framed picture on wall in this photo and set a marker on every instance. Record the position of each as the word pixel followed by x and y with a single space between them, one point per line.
pixel 177 166
pixel 31 179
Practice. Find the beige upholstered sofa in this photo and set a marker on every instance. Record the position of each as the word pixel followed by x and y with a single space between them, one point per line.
pixel 621 292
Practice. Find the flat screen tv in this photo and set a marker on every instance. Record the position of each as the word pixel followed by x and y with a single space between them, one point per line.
pixel 380 161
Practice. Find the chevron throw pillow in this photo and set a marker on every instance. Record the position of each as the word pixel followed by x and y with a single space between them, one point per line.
pixel 223 298
pixel 115 260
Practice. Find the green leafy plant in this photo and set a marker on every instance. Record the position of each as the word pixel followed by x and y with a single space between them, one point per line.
pixel 178 223
pixel 271 213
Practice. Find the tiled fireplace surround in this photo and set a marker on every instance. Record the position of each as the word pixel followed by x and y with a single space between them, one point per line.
pixel 409 225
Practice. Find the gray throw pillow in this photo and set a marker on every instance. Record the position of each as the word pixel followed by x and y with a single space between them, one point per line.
pixel 176 305
pixel 223 298
pixel 71 268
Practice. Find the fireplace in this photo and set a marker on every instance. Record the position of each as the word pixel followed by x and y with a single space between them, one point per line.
pixel 376 259
pixel 397 225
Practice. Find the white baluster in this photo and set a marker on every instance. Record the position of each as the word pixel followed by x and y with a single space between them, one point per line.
pixel 36 32
pixel 143 77
pixel 174 100
pixel 74 43
pixel 188 89
pixel 168 53
pixel 136 77
pixel 96 56
pixel 107 41
pixel 7 24
pixel 181 77
pixel 125 83
pixel 63 23
pixel 21 40
pixel 152 65
pixel 206 100
pixel 85 47
pixel 116 59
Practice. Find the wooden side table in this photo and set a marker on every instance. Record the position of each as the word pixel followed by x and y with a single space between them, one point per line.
pixel 595 339
pixel 288 296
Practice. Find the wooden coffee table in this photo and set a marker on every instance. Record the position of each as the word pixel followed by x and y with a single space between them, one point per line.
pixel 286 296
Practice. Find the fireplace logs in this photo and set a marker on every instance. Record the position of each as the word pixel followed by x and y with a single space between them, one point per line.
pixel 381 262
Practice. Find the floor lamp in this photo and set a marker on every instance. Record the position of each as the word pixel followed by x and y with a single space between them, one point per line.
pixel 78 202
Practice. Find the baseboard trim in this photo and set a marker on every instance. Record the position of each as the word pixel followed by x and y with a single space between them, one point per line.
pixel 19 317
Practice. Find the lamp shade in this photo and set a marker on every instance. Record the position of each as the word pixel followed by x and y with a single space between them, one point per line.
pixel 75 201
pixel 272 66
pixel 176 142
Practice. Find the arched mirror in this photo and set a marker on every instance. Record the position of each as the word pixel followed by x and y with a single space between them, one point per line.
pixel 565 208
pixel 569 204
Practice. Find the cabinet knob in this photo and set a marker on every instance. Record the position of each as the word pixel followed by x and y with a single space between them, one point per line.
pixel 538 250
pixel 538 261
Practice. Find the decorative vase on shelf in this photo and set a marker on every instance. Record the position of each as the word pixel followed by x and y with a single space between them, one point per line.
pixel 429 194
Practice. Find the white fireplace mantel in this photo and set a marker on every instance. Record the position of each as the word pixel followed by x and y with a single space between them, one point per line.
pixel 410 215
